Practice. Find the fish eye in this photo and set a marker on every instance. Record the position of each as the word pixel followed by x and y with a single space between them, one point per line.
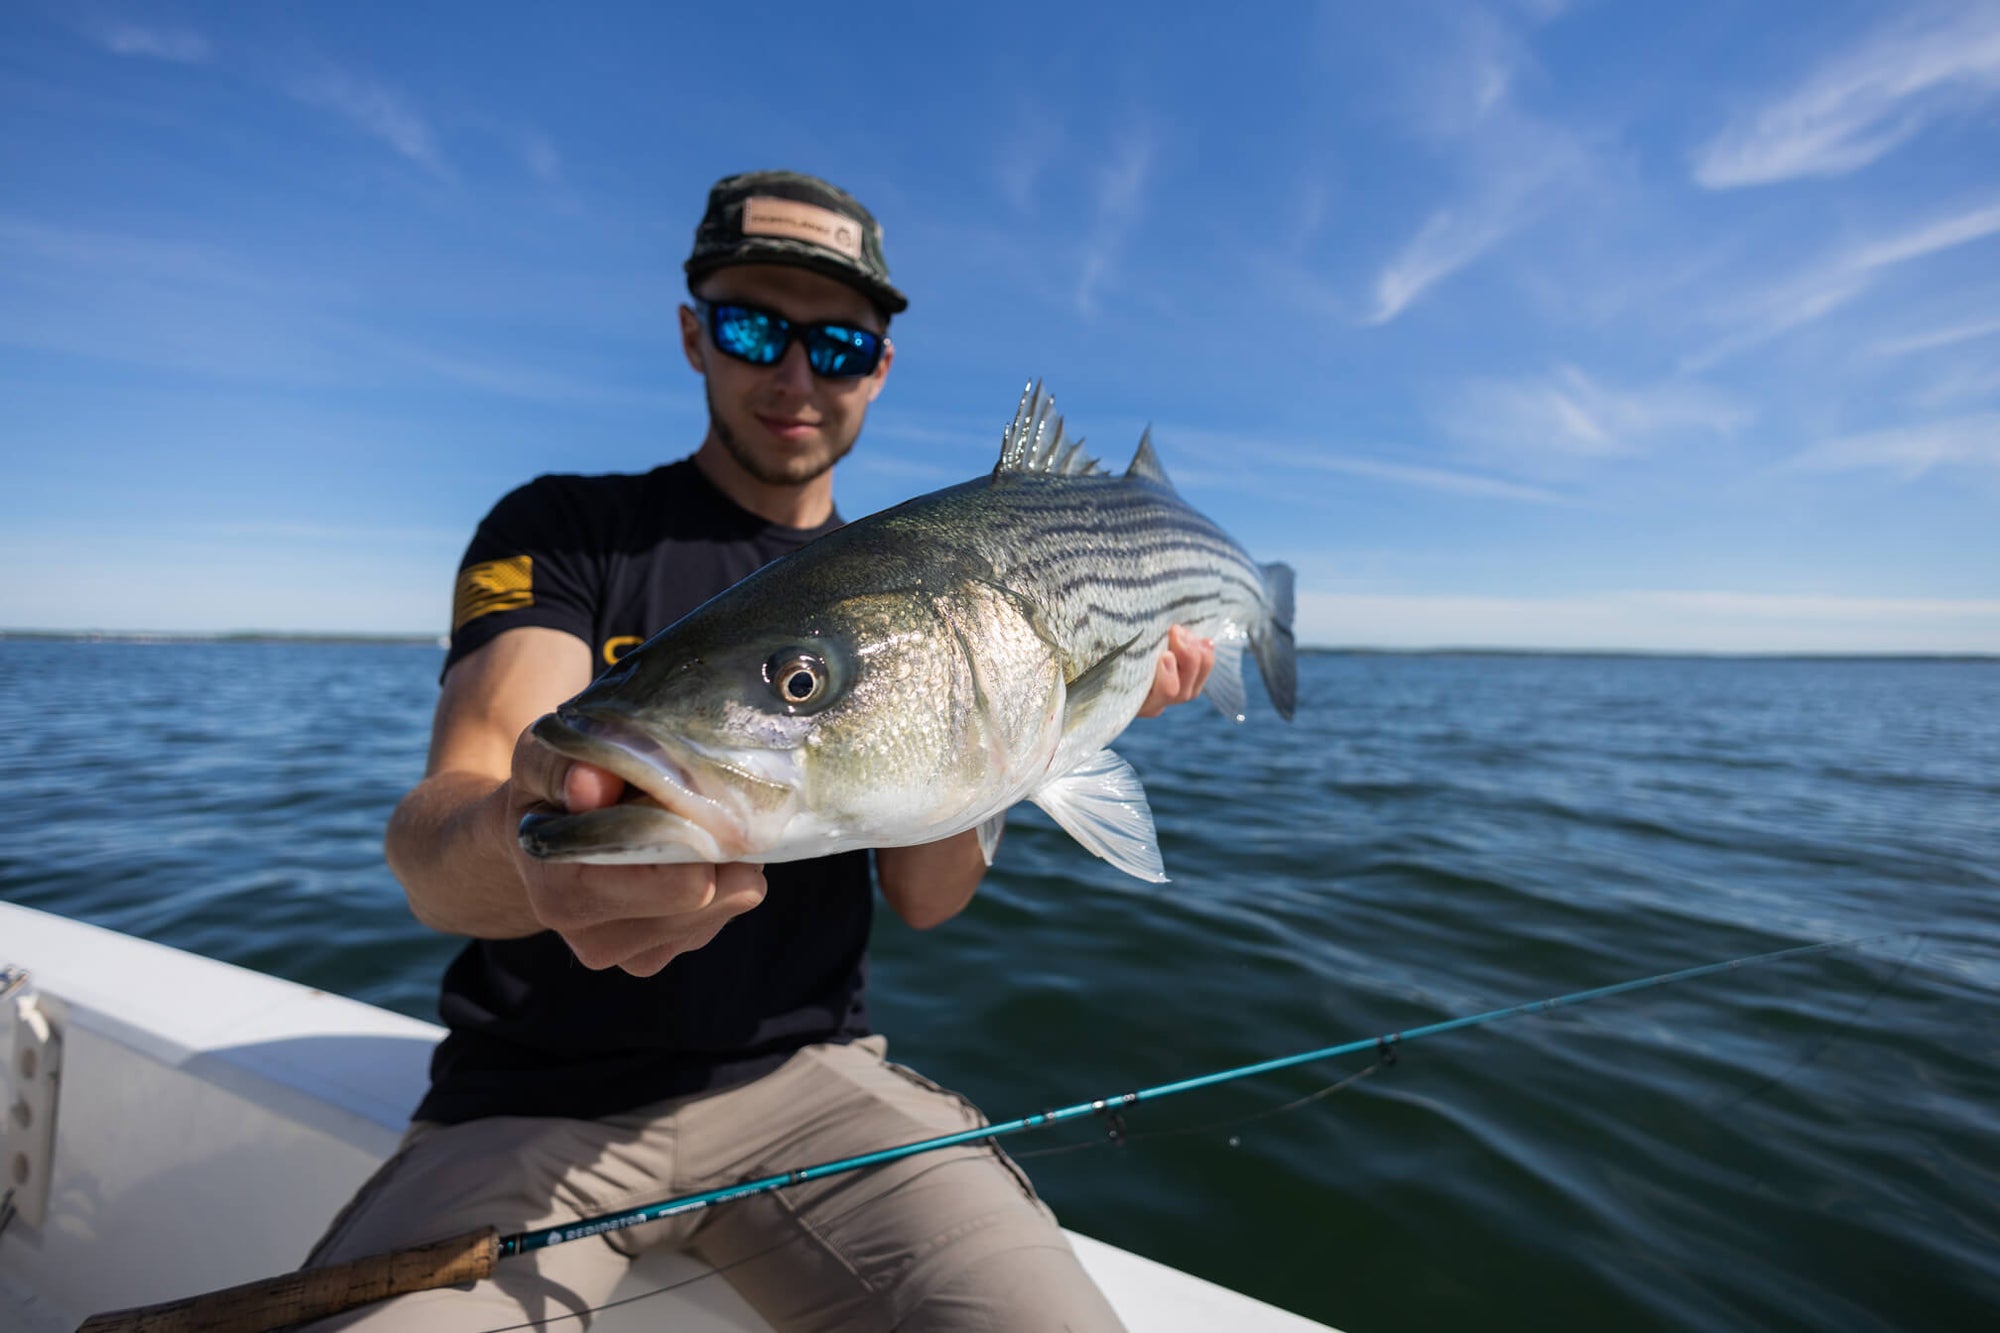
pixel 798 679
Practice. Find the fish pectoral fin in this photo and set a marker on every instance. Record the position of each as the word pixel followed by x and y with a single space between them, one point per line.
pixel 1101 804
pixel 989 836
pixel 1083 693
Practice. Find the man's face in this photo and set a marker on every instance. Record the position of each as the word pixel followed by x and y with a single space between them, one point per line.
pixel 783 424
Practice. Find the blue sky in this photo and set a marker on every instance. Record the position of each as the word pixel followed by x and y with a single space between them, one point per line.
pixel 1521 324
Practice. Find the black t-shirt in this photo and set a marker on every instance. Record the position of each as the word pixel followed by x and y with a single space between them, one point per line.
pixel 612 560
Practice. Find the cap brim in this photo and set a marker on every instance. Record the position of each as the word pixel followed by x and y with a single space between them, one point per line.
pixel 881 293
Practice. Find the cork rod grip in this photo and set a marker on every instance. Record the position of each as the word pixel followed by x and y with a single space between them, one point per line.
pixel 312 1293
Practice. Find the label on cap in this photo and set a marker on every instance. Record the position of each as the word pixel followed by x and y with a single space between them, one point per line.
pixel 766 216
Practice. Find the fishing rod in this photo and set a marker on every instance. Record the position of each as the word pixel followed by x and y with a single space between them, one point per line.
pixel 273 1303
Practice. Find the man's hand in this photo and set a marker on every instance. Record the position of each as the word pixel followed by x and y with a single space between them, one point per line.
pixel 638 918
pixel 1183 670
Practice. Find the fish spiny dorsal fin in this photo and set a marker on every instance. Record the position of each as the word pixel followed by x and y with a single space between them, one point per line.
pixel 1035 442
pixel 1146 463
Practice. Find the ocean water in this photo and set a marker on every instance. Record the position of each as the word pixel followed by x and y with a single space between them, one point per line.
pixel 1810 1144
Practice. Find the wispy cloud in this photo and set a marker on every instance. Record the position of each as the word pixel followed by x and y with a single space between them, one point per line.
pixel 42 244
pixel 376 111
pixel 1026 154
pixel 1516 166
pixel 1649 620
pixel 1120 190
pixel 1971 381
pixel 1568 412
pixel 966 437
pixel 1780 309
pixel 1446 243
pixel 1909 450
pixel 1819 606
pixel 1475 59
pixel 1432 478
pixel 1824 288
pixel 1112 171
pixel 903 468
pixel 1544 10
pixel 1864 102
pixel 182 46
pixel 1943 234
pixel 1300 458
pixel 1936 338
pixel 541 158
pixel 509 378
pixel 332 533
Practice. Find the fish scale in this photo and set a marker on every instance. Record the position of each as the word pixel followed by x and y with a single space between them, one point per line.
pixel 1184 571
pixel 964 651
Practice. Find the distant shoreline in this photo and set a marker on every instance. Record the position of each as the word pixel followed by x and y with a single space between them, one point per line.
pixel 438 642
pixel 1720 654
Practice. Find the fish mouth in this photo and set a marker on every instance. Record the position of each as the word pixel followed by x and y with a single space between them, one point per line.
pixel 665 814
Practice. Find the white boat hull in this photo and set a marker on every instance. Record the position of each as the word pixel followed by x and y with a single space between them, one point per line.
pixel 210 1120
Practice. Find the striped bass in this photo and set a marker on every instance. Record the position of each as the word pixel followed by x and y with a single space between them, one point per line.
pixel 918 672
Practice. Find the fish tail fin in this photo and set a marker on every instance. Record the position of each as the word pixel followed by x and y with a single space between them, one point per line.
pixel 1277 656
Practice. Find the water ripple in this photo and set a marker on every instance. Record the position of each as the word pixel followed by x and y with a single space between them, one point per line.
pixel 1810 1145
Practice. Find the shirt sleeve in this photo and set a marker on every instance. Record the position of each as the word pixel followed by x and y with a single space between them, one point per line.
pixel 530 562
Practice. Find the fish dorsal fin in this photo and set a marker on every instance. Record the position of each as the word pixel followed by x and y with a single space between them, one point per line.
pixel 1035 442
pixel 1146 463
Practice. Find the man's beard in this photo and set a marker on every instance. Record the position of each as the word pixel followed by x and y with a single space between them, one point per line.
pixel 726 437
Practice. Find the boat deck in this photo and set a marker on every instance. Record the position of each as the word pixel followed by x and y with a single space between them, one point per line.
pixel 211 1119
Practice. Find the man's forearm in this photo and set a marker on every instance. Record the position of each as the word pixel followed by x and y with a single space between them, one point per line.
pixel 928 885
pixel 450 844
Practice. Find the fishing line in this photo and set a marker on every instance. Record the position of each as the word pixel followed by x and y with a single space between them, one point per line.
pixel 1118 1139
pixel 1820 1048
pixel 1121 1137
pixel 480 1249
pixel 1385 1046
pixel 556 1235
pixel 1114 1140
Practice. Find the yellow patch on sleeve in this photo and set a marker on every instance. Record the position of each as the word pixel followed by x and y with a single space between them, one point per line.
pixel 496 585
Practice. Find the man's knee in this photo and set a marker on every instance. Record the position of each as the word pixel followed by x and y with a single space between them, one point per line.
pixel 1038 1286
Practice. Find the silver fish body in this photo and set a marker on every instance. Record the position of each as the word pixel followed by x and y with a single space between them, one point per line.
pixel 920 671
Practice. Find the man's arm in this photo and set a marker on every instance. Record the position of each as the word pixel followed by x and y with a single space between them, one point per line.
pixel 930 884
pixel 452 843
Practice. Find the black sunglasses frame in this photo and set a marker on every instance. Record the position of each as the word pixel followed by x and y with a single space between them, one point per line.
pixel 790 331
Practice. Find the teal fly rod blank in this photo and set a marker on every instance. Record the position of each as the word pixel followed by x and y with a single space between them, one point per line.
pixel 1387 1042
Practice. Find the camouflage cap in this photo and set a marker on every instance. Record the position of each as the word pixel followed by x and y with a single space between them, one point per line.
pixel 787 217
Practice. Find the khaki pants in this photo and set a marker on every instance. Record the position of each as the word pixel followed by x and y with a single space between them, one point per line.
pixel 951 1239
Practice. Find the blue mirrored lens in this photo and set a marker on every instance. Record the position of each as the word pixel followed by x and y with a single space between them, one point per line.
pixel 753 335
pixel 842 352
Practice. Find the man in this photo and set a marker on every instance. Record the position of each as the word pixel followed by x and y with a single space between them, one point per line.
pixel 623 1033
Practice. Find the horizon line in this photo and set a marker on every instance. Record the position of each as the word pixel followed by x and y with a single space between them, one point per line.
pixel 439 641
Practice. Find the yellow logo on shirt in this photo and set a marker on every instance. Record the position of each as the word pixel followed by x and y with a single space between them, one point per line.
pixel 619 645
pixel 496 585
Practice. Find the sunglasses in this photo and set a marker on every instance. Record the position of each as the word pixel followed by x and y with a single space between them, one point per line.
pixel 759 336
